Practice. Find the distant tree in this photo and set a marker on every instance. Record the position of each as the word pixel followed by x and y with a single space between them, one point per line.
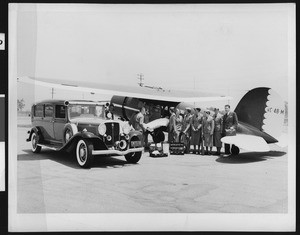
pixel 21 104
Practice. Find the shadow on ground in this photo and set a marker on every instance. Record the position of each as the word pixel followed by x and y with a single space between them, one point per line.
pixel 69 159
pixel 250 157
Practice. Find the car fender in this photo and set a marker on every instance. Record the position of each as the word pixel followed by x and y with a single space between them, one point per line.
pixel 135 134
pixel 96 140
pixel 36 130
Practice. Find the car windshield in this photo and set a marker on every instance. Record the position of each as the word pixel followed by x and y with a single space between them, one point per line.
pixel 86 111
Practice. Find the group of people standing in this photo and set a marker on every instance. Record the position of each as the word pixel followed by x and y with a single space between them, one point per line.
pixel 203 131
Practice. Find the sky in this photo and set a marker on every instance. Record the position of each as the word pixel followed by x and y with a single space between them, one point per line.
pixel 224 49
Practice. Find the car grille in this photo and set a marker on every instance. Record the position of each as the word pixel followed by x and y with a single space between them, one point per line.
pixel 113 129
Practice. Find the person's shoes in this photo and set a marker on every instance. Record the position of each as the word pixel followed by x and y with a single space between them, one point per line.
pixel 206 153
pixel 209 153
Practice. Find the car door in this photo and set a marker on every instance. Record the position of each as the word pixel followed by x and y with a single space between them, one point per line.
pixel 38 116
pixel 48 122
pixel 59 122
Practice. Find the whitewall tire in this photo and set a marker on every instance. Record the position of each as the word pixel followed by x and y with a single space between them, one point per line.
pixel 84 154
pixel 34 143
pixel 69 131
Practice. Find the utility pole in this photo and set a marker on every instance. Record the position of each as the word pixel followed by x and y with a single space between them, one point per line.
pixel 52 92
pixel 141 78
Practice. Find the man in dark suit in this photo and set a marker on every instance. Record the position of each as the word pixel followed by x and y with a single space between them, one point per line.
pixel 139 125
pixel 172 126
pixel 230 122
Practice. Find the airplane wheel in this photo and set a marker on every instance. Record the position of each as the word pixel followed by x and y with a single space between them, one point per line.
pixel 34 143
pixel 158 136
pixel 133 157
pixel 84 154
pixel 235 150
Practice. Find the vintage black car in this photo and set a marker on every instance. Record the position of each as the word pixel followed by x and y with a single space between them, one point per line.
pixel 82 127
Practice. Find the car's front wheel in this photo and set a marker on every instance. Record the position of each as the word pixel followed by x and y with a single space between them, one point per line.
pixel 84 154
pixel 34 143
pixel 133 157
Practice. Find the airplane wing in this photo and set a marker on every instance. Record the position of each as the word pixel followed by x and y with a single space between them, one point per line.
pixel 136 92
pixel 247 142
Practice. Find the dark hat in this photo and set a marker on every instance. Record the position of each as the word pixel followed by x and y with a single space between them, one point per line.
pixel 198 109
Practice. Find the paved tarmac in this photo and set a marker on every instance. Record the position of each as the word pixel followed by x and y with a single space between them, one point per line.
pixel 52 182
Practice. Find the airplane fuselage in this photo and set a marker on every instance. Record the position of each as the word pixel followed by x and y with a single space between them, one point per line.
pixel 126 107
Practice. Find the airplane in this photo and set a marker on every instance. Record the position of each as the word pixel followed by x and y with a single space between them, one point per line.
pixel 260 112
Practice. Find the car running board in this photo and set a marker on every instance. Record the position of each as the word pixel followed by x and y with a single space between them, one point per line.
pixel 51 146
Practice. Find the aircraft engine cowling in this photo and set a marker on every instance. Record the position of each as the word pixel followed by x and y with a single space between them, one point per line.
pixel 126 107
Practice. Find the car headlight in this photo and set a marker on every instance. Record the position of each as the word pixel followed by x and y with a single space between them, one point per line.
pixel 102 129
pixel 126 128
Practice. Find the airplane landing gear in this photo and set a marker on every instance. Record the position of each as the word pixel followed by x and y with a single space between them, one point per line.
pixel 156 149
pixel 235 150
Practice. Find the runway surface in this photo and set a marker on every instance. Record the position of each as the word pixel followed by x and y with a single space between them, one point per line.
pixel 52 182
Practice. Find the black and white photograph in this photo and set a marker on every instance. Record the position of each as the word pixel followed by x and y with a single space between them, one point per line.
pixel 151 117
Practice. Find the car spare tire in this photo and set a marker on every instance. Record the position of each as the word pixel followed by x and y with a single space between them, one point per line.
pixel 69 130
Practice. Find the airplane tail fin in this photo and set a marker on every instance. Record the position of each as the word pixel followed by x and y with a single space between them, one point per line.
pixel 263 109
